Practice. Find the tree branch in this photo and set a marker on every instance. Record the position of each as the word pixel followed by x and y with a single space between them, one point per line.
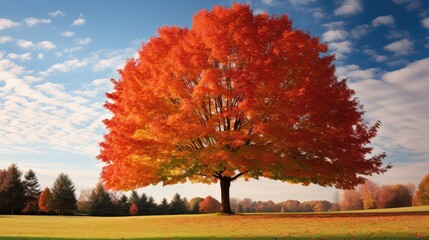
pixel 238 175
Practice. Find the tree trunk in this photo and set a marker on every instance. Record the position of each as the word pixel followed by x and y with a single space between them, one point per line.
pixel 225 183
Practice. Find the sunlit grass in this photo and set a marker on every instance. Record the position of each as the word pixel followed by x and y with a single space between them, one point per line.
pixel 263 226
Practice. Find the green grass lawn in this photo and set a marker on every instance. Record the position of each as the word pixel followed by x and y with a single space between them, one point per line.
pixel 258 226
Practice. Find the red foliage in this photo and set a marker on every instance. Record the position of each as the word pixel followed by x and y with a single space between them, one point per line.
pixel 134 210
pixel 237 95
pixel 44 200
pixel 210 205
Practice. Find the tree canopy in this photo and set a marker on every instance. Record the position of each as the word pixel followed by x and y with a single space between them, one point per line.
pixel 237 95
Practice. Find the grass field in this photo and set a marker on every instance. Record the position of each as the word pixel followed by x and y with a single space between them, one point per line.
pixel 387 225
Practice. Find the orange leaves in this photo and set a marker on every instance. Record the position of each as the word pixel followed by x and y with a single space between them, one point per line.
pixel 236 93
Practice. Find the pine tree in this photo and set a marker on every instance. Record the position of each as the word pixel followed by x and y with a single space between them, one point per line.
pixel 151 206
pixel 143 204
pixel 31 191
pixel 164 207
pixel 63 195
pixel 178 205
pixel 124 206
pixel 134 197
pixel 101 202
pixel 11 190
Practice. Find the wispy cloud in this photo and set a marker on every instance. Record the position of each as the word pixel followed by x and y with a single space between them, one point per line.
pixel 66 66
pixel 67 34
pixel 79 22
pixel 349 8
pixel 46 113
pixel 5 39
pixel 354 73
pixel 340 49
pixel 383 21
pixel 374 55
pixel 57 13
pixel 401 47
pixel 360 31
pixel 334 35
pixel 38 45
pixel 409 4
pixel 400 101
pixel 7 23
pixel 20 57
pixel 84 41
pixel 425 22
pixel 31 22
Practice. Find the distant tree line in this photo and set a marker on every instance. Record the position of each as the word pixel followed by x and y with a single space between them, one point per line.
pixel 24 196
pixel 371 196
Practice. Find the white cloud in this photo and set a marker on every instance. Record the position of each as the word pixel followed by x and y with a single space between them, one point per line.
pixel 383 20
pixel 79 22
pixel 25 44
pixel 334 35
pixel 377 57
pixel 349 8
pixel 425 22
pixel 354 73
pixel 67 34
pixel 334 25
pixel 5 39
pixel 34 113
pixel 409 4
pixel 40 56
pixel 397 62
pixel 269 2
pixel 340 49
pixel 360 31
pixel 66 66
pixel 297 3
pixel 31 22
pixel 71 50
pixel 400 101
pixel 401 47
pixel 39 45
pixel 84 41
pixel 45 45
pixel 111 60
pixel 20 57
pixel 258 11
pixel 397 33
pixel 317 13
pixel 56 13
pixel 7 23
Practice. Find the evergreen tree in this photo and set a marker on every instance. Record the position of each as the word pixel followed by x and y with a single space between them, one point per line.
pixel 101 202
pixel 151 206
pixel 11 190
pixel 143 204
pixel 164 207
pixel 178 205
pixel 31 191
pixel 124 206
pixel 63 195
pixel 134 198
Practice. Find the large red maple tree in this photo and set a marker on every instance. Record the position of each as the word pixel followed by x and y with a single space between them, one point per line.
pixel 237 95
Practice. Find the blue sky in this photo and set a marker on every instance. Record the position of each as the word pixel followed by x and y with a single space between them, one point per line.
pixel 56 59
